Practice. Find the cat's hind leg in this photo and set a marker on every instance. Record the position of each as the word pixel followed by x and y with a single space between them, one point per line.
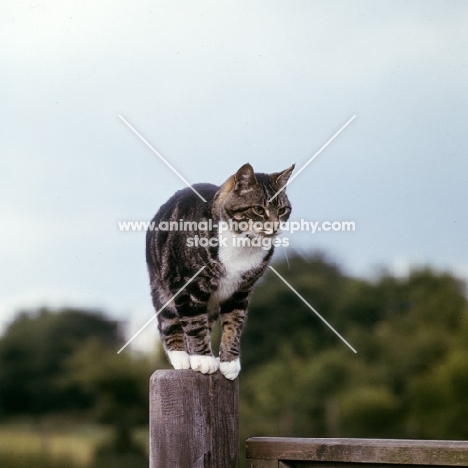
pixel 170 329
pixel 172 337
pixel 197 325
pixel 198 343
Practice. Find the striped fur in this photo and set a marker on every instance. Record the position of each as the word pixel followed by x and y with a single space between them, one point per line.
pixel 223 288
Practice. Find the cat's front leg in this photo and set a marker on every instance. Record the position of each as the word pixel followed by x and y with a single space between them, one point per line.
pixel 232 322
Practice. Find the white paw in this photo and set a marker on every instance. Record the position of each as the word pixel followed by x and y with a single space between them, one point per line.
pixel 230 369
pixel 204 364
pixel 179 359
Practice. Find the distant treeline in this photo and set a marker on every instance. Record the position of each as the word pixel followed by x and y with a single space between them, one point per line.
pixel 409 378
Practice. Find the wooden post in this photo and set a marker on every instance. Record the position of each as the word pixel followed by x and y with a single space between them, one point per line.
pixel 194 420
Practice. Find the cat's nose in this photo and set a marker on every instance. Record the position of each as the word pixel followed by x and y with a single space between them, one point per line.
pixel 272 227
pixel 275 223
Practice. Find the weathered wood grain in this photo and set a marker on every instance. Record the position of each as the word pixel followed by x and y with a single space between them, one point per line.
pixel 369 451
pixel 316 464
pixel 194 420
pixel 263 464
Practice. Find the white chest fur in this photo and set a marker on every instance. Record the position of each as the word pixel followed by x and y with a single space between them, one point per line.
pixel 237 259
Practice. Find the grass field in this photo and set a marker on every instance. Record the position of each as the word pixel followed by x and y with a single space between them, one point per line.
pixel 70 443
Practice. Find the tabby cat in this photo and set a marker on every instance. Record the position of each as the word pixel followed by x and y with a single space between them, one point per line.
pixel 223 287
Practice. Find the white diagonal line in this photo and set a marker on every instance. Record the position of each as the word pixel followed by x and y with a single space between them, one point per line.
pixel 312 158
pixel 313 310
pixel 160 310
pixel 159 156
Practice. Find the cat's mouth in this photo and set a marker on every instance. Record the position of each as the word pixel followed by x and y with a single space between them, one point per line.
pixel 253 229
pixel 269 235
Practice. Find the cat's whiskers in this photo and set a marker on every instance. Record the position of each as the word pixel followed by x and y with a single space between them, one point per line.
pixel 287 259
pixel 301 255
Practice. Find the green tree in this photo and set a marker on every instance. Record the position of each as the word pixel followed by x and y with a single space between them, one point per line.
pixel 33 353
pixel 368 411
pixel 408 378
pixel 439 402
pixel 277 317
pixel 66 361
pixel 118 386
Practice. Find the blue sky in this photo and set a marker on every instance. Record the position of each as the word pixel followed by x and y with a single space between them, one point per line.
pixel 212 85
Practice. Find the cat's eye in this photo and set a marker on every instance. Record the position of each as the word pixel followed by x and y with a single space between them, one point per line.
pixel 283 211
pixel 259 210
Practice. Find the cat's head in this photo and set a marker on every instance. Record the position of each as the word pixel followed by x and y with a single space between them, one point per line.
pixel 253 198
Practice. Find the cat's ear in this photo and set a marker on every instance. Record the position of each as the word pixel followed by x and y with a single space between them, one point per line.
pixel 281 178
pixel 244 178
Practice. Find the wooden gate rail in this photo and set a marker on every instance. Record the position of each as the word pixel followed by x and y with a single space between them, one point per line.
pixel 266 452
